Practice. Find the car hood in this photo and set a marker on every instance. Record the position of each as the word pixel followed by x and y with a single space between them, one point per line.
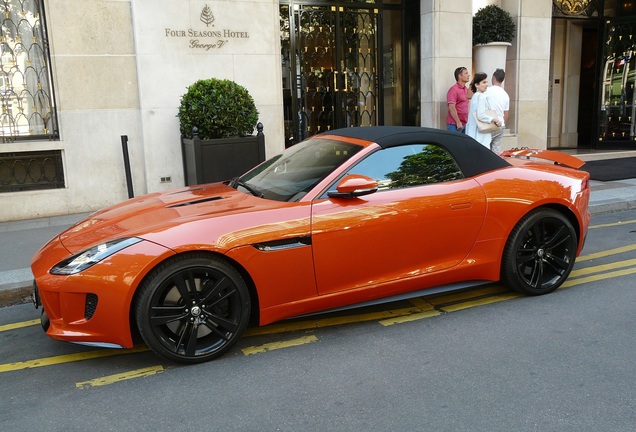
pixel 150 215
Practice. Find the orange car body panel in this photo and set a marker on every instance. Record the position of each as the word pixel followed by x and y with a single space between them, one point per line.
pixel 65 308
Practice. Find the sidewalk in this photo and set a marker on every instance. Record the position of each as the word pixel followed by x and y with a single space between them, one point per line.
pixel 21 239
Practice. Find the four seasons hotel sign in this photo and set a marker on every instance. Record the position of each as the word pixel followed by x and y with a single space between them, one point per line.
pixel 206 38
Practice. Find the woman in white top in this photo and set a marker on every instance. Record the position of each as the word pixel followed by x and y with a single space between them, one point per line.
pixel 479 104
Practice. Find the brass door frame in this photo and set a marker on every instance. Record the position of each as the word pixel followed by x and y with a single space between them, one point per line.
pixel 334 66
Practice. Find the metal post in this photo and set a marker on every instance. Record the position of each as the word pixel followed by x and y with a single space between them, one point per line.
pixel 129 184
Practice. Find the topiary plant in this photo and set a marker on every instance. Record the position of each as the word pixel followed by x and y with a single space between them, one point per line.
pixel 218 109
pixel 492 24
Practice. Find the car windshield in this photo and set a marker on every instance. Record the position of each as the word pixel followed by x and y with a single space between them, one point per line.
pixel 293 173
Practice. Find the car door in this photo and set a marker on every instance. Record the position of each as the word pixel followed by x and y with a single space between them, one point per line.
pixel 424 218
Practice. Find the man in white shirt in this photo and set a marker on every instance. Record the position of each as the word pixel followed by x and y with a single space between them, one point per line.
pixel 498 101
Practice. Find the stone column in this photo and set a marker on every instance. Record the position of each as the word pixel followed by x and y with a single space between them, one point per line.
pixel 446 43
pixel 527 71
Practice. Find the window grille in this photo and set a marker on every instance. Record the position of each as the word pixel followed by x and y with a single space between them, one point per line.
pixel 29 171
pixel 26 93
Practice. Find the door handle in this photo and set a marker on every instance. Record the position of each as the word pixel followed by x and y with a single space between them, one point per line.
pixel 461 206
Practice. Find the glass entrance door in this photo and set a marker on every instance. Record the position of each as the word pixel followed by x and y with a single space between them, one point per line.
pixel 330 67
pixel 618 98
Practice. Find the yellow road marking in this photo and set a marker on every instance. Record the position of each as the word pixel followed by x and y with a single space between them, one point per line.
pixel 479 302
pixel 49 361
pixel 329 322
pixel 412 317
pixel 421 303
pixel 613 224
pixel 111 379
pixel 441 299
pixel 452 303
pixel 279 345
pixel 18 325
pixel 606 253
pixel 598 277
pixel 602 268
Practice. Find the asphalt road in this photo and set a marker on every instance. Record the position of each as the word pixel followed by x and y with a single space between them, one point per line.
pixel 480 360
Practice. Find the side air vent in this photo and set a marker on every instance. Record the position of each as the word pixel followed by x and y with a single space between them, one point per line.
pixel 277 245
pixel 90 306
pixel 204 200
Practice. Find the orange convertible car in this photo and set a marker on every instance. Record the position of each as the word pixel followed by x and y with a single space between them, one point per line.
pixel 345 218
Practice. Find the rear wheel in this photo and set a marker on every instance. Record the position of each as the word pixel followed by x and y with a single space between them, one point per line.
pixel 193 308
pixel 540 253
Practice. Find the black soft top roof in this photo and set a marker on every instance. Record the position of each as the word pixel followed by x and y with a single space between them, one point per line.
pixel 472 157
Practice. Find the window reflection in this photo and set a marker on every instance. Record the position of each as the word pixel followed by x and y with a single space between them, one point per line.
pixel 409 165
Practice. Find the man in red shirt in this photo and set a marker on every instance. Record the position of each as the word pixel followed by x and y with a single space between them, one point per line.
pixel 458 102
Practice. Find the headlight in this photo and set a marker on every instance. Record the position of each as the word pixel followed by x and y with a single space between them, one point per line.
pixel 92 256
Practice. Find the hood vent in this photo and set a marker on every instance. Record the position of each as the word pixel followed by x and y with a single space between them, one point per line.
pixel 185 191
pixel 200 201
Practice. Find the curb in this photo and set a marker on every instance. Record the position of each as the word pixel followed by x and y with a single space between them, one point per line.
pixel 612 207
pixel 16 286
pixel 15 293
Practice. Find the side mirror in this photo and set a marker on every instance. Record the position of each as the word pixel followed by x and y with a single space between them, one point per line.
pixel 354 185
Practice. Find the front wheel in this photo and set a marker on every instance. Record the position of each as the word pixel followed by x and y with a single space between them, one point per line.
pixel 539 253
pixel 192 308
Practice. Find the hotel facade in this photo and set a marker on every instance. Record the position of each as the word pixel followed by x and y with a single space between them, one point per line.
pixel 90 88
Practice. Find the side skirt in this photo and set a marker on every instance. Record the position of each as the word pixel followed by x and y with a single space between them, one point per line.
pixel 405 296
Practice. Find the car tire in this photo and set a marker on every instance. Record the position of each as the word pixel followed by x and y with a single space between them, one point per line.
pixel 540 253
pixel 192 308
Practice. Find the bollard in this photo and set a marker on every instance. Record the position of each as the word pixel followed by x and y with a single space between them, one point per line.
pixel 129 184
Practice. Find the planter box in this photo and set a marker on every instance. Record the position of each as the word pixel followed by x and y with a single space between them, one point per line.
pixel 488 57
pixel 214 160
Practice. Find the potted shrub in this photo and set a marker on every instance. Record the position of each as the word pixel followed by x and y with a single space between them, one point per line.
pixel 217 119
pixel 493 31
pixel 492 24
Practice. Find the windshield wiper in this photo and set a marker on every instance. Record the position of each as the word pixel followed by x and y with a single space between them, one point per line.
pixel 236 182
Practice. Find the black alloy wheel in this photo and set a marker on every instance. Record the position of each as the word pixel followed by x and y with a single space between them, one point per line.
pixel 540 253
pixel 193 308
